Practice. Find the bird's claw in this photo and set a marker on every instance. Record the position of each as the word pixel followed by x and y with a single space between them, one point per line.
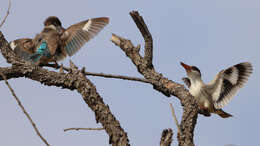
pixel 61 69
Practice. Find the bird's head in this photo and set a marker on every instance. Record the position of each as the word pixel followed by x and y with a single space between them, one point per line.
pixel 53 22
pixel 192 71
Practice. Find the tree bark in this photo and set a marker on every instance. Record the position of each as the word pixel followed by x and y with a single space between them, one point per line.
pixel 73 80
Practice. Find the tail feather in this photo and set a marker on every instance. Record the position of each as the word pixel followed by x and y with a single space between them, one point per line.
pixel 223 114
pixel 35 57
pixel 22 48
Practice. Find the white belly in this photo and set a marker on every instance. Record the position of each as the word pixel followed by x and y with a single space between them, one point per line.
pixel 195 90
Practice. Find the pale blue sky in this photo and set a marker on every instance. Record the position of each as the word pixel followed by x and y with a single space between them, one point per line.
pixel 212 35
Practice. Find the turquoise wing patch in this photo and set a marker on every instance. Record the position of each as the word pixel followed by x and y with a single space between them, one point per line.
pixel 42 50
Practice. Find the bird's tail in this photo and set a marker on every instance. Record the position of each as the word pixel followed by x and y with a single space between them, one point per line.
pixel 27 56
pixel 35 57
pixel 222 114
pixel 23 48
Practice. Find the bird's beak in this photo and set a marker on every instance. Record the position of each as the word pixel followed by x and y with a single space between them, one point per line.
pixel 187 67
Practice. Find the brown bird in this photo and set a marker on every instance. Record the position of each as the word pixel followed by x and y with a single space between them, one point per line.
pixel 213 96
pixel 54 43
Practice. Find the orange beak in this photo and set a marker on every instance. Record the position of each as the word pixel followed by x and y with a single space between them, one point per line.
pixel 187 67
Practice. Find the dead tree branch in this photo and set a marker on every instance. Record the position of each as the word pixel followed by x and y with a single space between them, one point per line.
pixel 7 13
pixel 148 54
pixel 101 74
pixel 160 83
pixel 73 80
pixel 24 111
pixel 68 129
pixel 166 138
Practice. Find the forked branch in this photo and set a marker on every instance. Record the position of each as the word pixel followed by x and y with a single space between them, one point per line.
pixel 160 83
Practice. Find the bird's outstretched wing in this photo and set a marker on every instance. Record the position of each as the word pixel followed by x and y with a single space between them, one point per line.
pixel 228 82
pixel 78 34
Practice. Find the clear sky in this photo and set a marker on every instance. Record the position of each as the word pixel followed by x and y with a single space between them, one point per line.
pixel 212 35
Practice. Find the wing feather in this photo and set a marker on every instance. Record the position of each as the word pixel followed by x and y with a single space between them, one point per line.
pixel 228 82
pixel 78 34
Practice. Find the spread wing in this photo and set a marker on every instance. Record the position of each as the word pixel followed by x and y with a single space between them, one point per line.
pixel 78 34
pixel 228 82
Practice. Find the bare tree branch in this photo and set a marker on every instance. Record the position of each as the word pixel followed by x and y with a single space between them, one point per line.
pixel 148 54
pixel 160 83
pixel 67 129
pixel 102 74
pixel 24 111
pixel 7 13
pixel 73 80
pixel 117 77
pixel 175 118
pixel 166 138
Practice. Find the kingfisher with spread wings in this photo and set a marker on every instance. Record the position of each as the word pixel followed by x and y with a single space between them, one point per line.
pixel 213 96
pixel 54 43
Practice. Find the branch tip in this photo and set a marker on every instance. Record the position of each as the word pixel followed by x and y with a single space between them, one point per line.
pixel 7 13
pixel 166 138
pixel 115 39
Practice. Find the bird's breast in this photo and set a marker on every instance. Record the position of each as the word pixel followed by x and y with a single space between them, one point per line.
pixel 198 91
pixel 195 89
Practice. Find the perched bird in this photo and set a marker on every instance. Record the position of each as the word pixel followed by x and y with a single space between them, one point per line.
pixel 54 42
pixel 213 96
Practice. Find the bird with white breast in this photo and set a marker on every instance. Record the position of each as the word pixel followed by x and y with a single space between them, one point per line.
pixel 212 97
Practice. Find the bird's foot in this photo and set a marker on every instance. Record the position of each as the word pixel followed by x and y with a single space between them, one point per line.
pixel 61 69
pixel 83 70
pixel 56 65
pixel 204 111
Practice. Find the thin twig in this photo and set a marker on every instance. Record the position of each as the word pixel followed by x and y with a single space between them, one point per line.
pixel 102 74
pixel 83 129
pixel 175 118
pixel 23 109
pixel 7 13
